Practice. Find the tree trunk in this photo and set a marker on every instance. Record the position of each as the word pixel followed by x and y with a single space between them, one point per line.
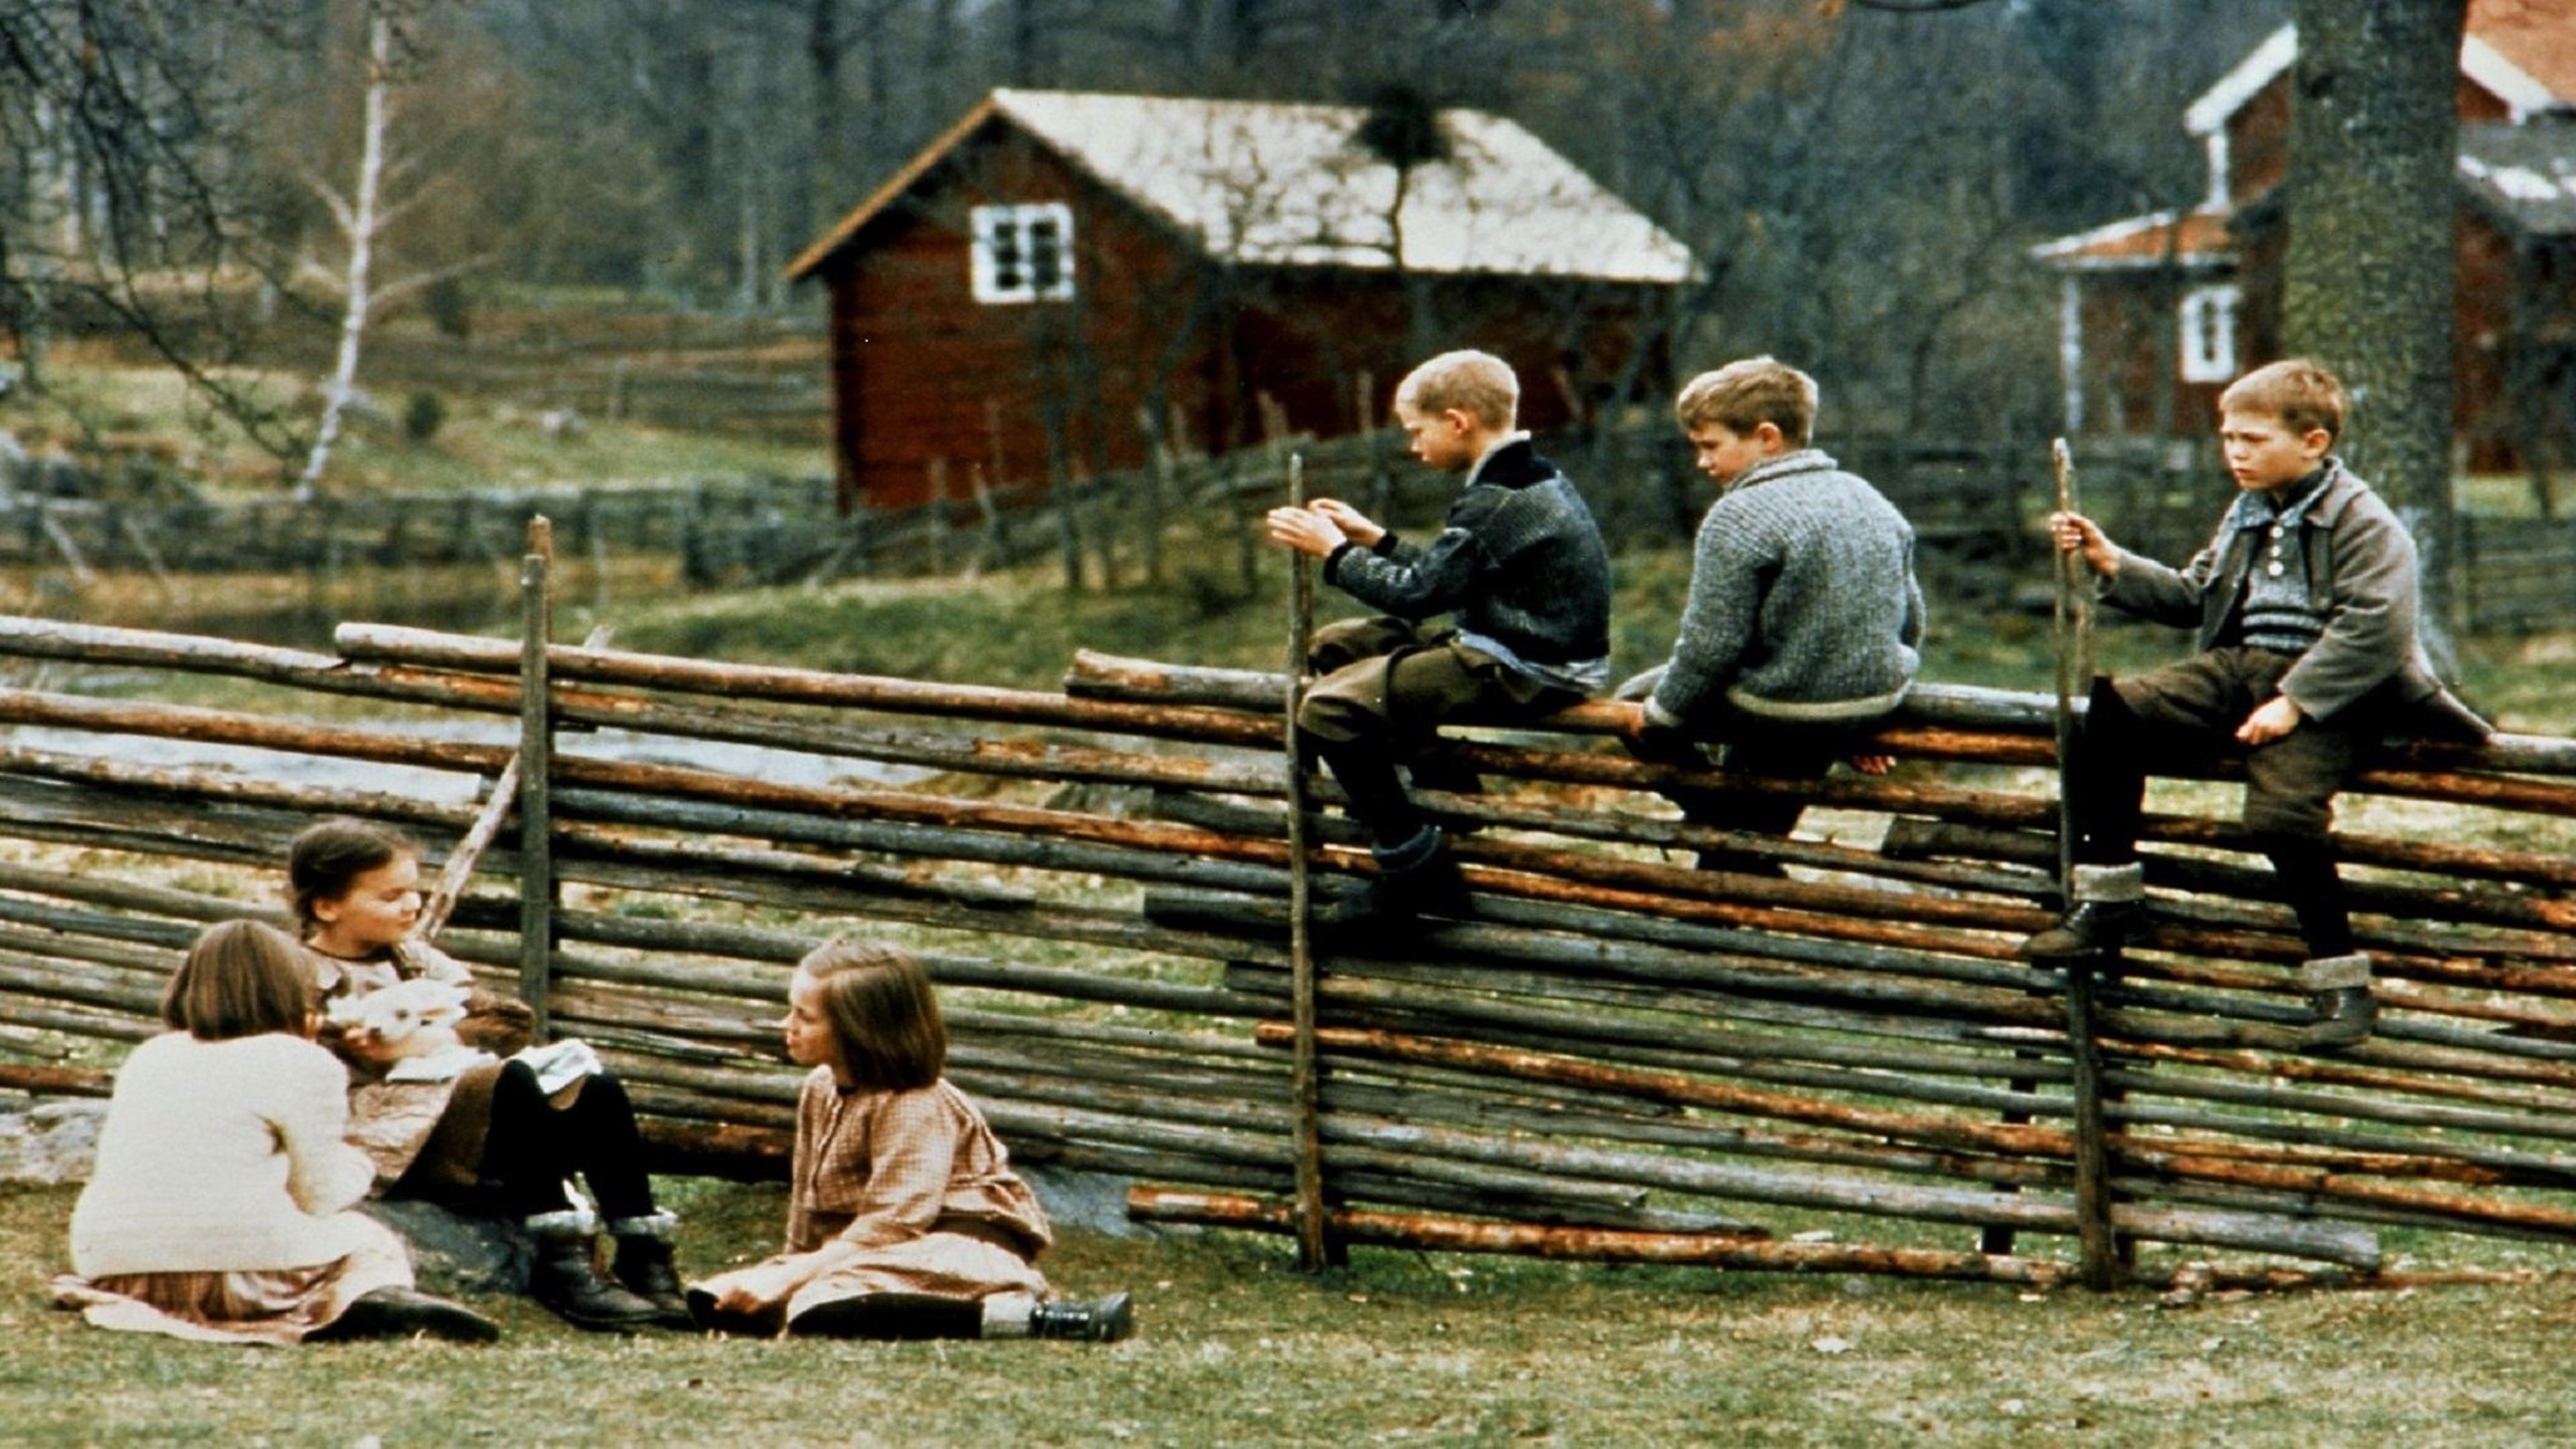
pixel 2375 142
pixel 827 175
pixel 360 223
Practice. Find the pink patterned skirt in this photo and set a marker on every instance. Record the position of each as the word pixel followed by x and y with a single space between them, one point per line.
pixel 272 1306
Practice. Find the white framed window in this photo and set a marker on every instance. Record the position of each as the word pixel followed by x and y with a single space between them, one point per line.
pixel 2208 321
pixel 1023 253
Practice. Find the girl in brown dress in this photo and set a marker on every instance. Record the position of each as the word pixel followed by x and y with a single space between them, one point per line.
pixel 499 1138
pixel 904 1219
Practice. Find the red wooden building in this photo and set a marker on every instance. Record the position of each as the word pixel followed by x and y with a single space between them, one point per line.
pixel 2158 313
pixel 1062 272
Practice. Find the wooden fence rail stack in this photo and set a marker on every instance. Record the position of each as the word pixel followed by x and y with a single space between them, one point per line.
pixel 1611 1054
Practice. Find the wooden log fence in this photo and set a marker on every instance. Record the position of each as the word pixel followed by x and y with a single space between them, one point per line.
pixel 1607 1054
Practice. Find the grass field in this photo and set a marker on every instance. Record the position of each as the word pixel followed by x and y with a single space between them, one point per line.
pixel 480 444
pixel 1235 1347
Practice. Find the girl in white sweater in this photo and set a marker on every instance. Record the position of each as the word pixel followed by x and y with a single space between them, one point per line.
pixel 223 1204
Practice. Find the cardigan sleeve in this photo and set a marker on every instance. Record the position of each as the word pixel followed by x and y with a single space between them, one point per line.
pixel 2156 591
pixel 1730 568
pixel 1409 582
pixel 324 1174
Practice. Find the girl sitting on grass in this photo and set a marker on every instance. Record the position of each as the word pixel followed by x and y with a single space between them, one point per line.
pixel 499 1137
pixel 904 1219
pixel 223 1206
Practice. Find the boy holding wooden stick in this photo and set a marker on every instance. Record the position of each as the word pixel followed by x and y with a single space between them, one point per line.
pixel 1520 565
pixel 2305 603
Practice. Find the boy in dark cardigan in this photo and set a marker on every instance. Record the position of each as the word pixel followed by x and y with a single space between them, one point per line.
pixel 2305 604
pixel 1520 566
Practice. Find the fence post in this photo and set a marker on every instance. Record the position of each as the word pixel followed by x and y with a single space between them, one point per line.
pixel 1157 512
pixel 1381 481
pixel 936 510
pixel 2099 1245
pixel 1315 1248
pixel 536 763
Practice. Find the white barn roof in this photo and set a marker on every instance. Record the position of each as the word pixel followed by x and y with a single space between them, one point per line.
pixel 1277 184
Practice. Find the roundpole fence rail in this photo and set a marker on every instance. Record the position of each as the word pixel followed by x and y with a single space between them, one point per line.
pixel 1609 1054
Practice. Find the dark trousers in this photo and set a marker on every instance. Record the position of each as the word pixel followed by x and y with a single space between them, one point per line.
pixel 533 1145
pixel 2186 715
pixel 1751 746
pixel 1386 686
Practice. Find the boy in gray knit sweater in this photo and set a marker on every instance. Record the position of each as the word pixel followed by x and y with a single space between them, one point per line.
pixel 1804 617
pixel 1519 565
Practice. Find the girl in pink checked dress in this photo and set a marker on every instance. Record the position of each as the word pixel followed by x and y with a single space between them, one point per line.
pixel 904 1219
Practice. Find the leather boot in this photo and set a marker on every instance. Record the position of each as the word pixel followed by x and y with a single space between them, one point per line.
pixel 406 1313
pixel 643 1265
pixel 564 1279
pixel 2339 1001
pixel 1416 876
pixel 2110 907
pixel 1101 1320
pixel 1439 769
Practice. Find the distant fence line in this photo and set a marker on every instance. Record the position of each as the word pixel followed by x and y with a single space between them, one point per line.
pixel 1974 505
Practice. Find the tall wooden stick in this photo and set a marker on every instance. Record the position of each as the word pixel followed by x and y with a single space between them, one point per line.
pixel 536 764
pixel 2102 1253
pixel 460 863
pixel 1314 1248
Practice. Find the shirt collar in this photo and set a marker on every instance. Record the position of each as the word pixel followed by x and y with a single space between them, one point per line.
pixel 1518 435
pixel 2289 505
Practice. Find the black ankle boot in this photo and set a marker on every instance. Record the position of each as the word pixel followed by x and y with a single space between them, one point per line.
pixel 564 1279
pixel 1102 1320
pixel 405 1313
pixel 2092 926
pixel 643 1265
pixel 1417 876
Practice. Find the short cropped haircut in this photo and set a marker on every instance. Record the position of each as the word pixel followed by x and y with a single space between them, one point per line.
pixel 884 1016
pixel 328 856
pixel 241 978
pixel 1478 384
pixel 1749 391
pixel 2301 394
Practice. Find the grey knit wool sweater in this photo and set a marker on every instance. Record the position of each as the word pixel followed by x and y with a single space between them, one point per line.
pixel 1520 563
pixel 1803 603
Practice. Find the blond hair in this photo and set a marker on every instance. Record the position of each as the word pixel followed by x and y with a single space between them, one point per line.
pixel 1749 391
pixel 1478 384
pixel 886 1027
pixel 2304 396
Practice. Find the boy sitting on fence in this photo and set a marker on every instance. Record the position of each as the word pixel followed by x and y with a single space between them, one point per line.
pixel 1520 564
pixel 1804 619
pixel 2305 604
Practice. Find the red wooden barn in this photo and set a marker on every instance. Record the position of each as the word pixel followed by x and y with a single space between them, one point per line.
pixel 2213 274
pixel 1062 274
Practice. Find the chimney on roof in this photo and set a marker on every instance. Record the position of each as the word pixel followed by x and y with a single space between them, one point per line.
pixel 1402 127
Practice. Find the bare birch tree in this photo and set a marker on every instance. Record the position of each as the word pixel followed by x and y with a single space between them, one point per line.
pixel 389 183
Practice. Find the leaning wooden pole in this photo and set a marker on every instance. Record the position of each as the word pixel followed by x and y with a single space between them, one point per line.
pixel 1315 1248
pixel 2102 1255
pixel 536 766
